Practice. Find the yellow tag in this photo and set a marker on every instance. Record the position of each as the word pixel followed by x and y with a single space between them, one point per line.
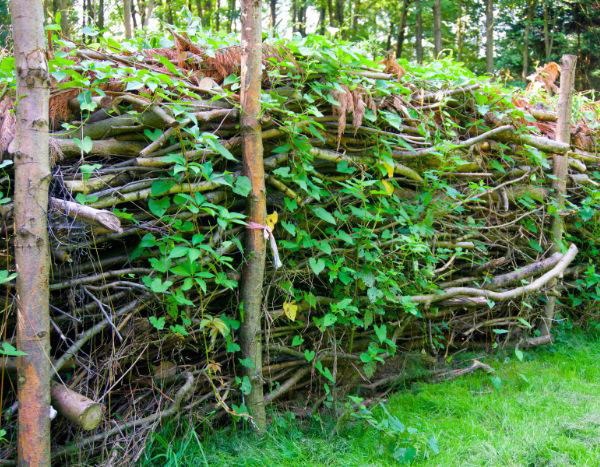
pixel 389 168
pixel 388 187
pixel 272 220
pixel 290 309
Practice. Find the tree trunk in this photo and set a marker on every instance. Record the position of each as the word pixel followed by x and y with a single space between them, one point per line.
pixel 460 40
pixel 530 7
pixel 548 38
pixel 402 28
pixel 207 17
pixel 489 36
pixel 101 14
pixel 322 15
pixel 252 153
pixel 199 10
pixel 65 26
pixel 331 12
pixel 437 27
pixel 273 7
pixel 561 166
pixel 339 12
pixel 419 31
pixel 32 177
pixel 133 18
pixel 355 17
pixel 218 15
pixel 127 18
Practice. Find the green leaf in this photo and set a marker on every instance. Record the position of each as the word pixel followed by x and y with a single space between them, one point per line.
pixel 158 323
pixel 5 276
pixel 496 382
pixel 297 340
pixel 85 145
pixel 324 215
pixel 214 144
pixel 158 286
pixel 535 245
pixel 242 186
pixel 381 332
pixel 10 351
pixel 309 355
pixel 160 187
pixel 247 363
pixel 519 354
pixel 246 386
pixel 317 266
pixel 159 206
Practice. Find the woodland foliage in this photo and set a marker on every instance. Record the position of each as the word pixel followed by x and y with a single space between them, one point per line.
pixel 410 206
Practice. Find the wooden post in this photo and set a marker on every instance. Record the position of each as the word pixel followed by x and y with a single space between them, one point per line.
pixel 32 176
pixel 252 151
pixel 561 169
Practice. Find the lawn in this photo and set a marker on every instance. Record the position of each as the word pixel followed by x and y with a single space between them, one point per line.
pixel 542 411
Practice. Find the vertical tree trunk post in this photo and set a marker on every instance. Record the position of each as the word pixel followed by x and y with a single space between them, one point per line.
pixel 419 31
pixel 489 35
pixel 561 166
pixel 437 27
pixel 32 177
pixel 127 19
pixel 252 152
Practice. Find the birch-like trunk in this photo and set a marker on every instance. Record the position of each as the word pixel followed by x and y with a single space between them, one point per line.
pixel 561 169
pixel 252 153
pixel 32 177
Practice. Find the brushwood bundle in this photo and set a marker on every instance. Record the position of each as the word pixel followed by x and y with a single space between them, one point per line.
pixel 410 208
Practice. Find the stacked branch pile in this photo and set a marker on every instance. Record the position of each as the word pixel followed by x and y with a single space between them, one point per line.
pixel 411 210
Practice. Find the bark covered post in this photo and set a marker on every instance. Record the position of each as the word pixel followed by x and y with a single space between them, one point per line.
pixel 32 177
pixel 252 151
pixel 561 172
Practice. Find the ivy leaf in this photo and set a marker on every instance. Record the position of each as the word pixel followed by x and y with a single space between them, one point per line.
pixel 317 265
pixel 85 145
pixel 297 340
pixel 309 355
pixel 290 309
pixel 157 323
pixel 159 206
pixel 324 215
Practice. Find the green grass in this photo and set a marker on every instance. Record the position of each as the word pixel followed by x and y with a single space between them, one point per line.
pixel 545 413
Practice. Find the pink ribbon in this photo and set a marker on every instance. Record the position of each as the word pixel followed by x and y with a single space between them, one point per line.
pixel 268 234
